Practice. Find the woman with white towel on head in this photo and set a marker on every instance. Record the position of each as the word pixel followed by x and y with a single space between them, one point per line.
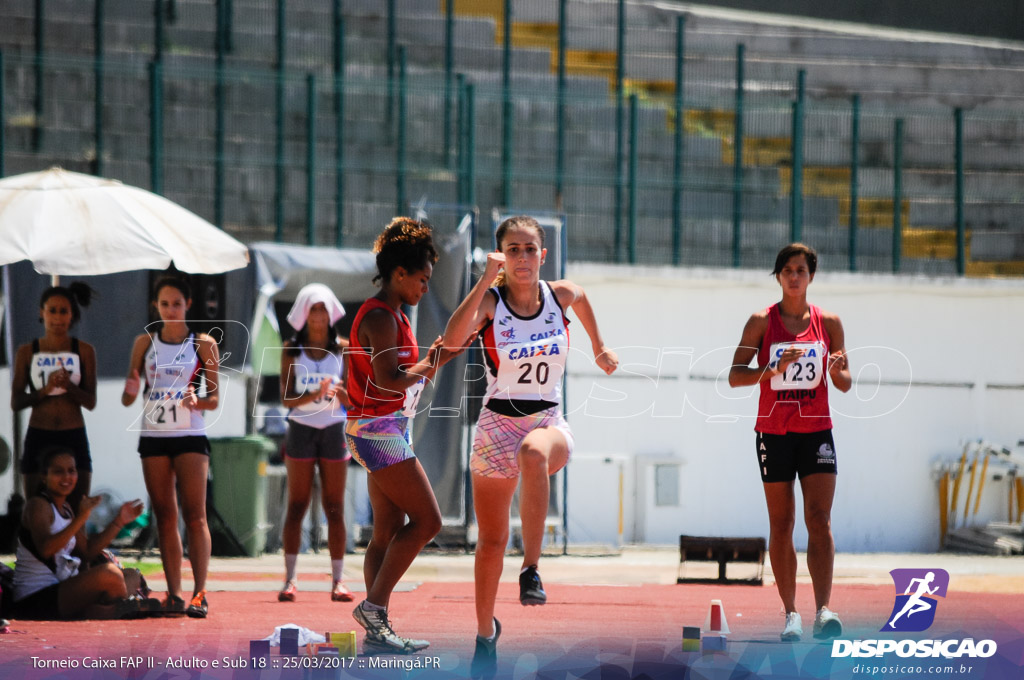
pixel 313 390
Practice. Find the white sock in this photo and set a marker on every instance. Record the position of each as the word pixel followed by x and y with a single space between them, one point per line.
pixel 336 566
pixel 369 606
pixel 289 566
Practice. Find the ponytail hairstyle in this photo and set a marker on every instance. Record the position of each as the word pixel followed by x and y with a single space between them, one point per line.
pixel 519 221
pixel 405 243
pixel 78 294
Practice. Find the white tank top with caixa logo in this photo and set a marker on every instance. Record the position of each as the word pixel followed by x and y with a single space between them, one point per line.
pixel 526 356
pixel 170 369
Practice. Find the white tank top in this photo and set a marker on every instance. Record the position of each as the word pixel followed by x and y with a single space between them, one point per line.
pixel 31 574
pixel 170 369
pixel 306 376
pixel 526 356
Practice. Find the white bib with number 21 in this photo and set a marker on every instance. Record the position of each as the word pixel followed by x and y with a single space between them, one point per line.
pixel 804 373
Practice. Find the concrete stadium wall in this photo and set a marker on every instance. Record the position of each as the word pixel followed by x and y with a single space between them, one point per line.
pixel 994 19
pixel 934 365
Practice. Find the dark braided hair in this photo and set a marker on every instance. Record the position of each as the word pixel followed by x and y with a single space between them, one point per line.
pixel 405 243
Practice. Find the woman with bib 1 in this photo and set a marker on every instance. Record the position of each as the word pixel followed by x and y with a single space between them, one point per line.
pixel 55 376
pixel 521 433
pixel 796 344
pixel 312 387
pixel 176 364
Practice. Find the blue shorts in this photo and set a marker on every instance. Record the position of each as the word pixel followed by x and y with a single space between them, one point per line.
pixel 381 442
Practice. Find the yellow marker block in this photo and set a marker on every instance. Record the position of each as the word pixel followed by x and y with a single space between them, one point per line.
pixel 345 642
pixel 691 638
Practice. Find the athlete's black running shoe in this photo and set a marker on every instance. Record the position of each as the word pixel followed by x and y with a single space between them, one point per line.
pixel 531 590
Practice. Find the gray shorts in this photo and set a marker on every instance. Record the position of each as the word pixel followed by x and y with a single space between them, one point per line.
pixel 310 443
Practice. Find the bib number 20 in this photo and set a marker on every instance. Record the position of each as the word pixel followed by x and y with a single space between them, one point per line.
pixel 541 371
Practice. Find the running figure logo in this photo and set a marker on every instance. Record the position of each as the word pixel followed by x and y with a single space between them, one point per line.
pixel 914 610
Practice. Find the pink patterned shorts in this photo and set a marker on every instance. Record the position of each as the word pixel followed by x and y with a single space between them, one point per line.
pixel 498 438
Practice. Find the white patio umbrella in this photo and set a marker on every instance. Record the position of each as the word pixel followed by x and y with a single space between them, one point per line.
pixel 70 224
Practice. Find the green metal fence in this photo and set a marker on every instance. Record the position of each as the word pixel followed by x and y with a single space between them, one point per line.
pixel 732 155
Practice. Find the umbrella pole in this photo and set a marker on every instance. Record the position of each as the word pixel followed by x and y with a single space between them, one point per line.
pixel 9 342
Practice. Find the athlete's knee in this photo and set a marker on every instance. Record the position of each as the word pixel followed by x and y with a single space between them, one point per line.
pixel 297 507
pixel 492 541
pixel 782 524
pixel 110 579
pixel 532 458
pixel 819 522
pixel 334 510
pixel 429 525
pixel 195 518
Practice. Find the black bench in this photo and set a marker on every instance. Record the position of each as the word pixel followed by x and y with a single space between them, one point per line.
pixel 721 550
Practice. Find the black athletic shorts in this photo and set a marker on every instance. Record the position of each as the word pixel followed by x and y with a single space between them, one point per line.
pixel 781 457
pixel 37 441
pixel 173 446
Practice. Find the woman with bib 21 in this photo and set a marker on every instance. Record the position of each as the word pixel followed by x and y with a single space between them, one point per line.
pixel 172 443
pixel 796 344
pixel 521 432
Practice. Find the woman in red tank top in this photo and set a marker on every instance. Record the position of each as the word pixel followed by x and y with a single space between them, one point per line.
pixel 385 379
pixel 796 344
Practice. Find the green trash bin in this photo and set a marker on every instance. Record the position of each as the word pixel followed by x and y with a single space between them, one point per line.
pixel 238 468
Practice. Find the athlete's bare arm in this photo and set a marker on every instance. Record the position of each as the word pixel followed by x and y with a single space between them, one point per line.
pixel 133 380
pixel 20 381
pixel 573 296
pixel 84 394
pixel 377 333
pixel 209 359
pixel 838 365
pixel 477 308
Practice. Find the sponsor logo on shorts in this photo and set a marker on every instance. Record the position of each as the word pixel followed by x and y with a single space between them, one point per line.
pixel 826 454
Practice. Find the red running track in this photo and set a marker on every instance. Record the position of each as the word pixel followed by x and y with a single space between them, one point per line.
pixel 590 624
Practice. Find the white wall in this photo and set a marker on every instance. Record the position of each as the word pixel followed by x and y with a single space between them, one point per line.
pixel 944 351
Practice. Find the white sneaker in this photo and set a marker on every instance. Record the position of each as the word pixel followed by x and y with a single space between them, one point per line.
pixel 794 629
pixel 827 624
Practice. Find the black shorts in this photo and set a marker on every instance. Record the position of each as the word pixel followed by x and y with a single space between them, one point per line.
pixel 311 443
pixel 42 605
pixel 150 447
pixel 37 441
pixel 781 457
